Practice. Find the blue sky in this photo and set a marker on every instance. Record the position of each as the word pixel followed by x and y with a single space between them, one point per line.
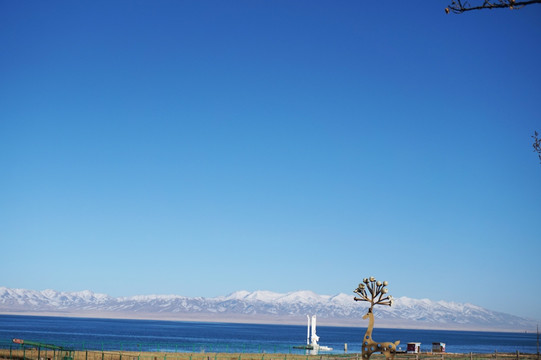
pixel 203 147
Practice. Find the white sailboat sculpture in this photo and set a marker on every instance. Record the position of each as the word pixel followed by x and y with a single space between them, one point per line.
pixel 312 338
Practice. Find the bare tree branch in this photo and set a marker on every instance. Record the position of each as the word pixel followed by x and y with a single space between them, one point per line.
pixel 459 6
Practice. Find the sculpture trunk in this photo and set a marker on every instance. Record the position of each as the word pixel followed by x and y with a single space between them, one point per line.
pixel 388 349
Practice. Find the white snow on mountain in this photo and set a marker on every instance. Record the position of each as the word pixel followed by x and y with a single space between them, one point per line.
pixel 261 306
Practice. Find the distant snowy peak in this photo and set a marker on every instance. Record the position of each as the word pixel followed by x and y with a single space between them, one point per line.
pixel 238 295
pixel 261 306
pixel 302 296
pixel 259 295
pixel 21 294
pixel 342 298
pixel 152 298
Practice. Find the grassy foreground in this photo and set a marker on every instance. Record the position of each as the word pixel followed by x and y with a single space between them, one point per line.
pixel 35 354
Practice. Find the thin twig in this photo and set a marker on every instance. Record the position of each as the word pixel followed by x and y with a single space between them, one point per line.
pixel 458 7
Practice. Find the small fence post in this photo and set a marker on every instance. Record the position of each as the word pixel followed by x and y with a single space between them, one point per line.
pixel 471 355
pixel 517 355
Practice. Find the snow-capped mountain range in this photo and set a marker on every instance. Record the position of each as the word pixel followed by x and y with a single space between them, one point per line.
pixel 263 307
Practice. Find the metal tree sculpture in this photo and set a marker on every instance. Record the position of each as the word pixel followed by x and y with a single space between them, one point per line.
pixel 376 296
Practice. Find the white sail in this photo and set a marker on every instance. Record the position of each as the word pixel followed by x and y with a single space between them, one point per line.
pixel 314 336
pixel 308 331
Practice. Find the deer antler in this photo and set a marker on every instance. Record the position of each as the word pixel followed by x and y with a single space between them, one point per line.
pixel 376 288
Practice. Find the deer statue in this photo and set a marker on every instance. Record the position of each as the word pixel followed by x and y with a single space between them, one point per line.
pixel 377 292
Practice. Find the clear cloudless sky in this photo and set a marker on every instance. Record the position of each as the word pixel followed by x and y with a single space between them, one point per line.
pixel 202 147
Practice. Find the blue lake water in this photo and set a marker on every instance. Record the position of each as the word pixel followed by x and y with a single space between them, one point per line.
pixel 181 336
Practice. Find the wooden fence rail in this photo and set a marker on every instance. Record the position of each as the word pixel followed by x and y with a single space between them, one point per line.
pixel 47 354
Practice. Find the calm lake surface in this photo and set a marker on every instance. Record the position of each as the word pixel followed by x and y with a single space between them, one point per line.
pixel 182 336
